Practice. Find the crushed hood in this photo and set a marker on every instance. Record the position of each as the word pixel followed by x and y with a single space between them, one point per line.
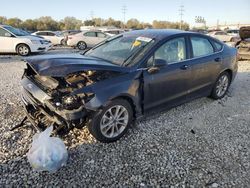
pixel 62 65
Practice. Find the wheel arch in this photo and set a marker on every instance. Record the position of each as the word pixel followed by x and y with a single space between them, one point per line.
pixel 131 101
pixel 23 44
pixel 230 72
pixel 81 41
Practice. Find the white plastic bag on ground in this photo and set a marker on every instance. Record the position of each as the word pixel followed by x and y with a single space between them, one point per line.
pixel 47 153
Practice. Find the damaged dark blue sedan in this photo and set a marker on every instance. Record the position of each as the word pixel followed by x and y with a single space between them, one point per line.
pixel 124 78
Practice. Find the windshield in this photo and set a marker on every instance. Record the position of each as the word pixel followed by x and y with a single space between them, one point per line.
pixel 15 31
pixel 120 49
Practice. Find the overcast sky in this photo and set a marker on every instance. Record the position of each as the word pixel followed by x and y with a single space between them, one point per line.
pixel 226 11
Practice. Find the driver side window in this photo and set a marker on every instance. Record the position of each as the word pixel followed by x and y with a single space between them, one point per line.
pixel 173 51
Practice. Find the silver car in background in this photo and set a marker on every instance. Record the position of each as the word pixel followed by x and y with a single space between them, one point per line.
pixel 86 39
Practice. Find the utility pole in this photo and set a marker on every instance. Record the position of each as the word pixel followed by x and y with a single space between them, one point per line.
pixel 92 14
pixel 124 11
pixel 218 24
pixel 181 10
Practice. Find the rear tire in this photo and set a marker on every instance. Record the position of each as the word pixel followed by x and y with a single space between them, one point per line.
pixel 81 45
pixel 23 50
pixel 112 122
pixel 221 86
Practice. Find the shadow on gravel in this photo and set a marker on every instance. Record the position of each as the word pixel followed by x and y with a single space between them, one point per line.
pixel 160 149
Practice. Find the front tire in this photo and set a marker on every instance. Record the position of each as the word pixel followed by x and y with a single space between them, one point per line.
pixel 112 122
pixel 221 86
pixel 81 45
pixel 23 50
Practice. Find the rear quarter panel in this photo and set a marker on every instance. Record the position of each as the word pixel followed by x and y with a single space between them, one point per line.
pixel 230 60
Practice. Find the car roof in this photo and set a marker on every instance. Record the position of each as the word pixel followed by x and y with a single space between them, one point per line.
pixel 46 31
pixel 85 31
pixel 157 34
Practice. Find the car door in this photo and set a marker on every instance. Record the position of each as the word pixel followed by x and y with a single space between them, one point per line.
pixel 205 64
pixel 90 38
pixel 171 81
pixel 7 41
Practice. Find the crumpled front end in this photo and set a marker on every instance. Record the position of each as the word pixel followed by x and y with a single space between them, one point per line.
pixel 50 100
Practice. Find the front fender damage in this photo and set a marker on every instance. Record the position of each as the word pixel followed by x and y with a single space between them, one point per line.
pixel 72 100
pixel 125 86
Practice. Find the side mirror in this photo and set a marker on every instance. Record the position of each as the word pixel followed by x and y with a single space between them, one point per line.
pixel 7 35
pixel 156 67
pixel 160 62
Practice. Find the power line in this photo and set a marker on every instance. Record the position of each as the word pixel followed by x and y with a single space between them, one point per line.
pixel 181 10
pixel 124 11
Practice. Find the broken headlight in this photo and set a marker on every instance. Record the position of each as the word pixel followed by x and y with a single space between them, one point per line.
pixel 71 102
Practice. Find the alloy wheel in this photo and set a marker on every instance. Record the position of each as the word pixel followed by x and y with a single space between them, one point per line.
pixel 222 85
pixel 114 121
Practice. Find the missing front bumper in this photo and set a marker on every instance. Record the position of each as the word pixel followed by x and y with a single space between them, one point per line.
pixel 42 113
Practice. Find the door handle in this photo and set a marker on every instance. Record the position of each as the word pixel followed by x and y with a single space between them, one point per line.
pixel 185 67
pixel 218 59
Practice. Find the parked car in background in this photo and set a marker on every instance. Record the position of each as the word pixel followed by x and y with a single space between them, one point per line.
pixel 67 33
pixel 233 32
pixel 243 45
pixel 70 32
pixel 202 31
pixel 86 39
pixel 124 78
pixel 223 36
pixel 55 39
pixel 13 40
pixel 113 31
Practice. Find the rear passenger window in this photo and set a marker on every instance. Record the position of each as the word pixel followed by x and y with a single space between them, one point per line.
pixel 101 35
pixel 218 46
pixel 201 46
pixel 90 34
pixel 42 33
pixel 51 34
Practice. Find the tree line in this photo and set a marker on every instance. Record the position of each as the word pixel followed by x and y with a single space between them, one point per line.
pixel 68 23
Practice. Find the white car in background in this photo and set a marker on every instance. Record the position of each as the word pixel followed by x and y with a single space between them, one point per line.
pixel 233 32
pixel 86 39
pixel 13 40
pixel 223 36
pixel 56 39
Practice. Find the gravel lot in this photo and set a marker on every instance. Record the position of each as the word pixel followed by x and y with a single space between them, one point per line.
pixel 204 143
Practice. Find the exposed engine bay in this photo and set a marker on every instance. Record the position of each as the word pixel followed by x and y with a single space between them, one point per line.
pixel 54 102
